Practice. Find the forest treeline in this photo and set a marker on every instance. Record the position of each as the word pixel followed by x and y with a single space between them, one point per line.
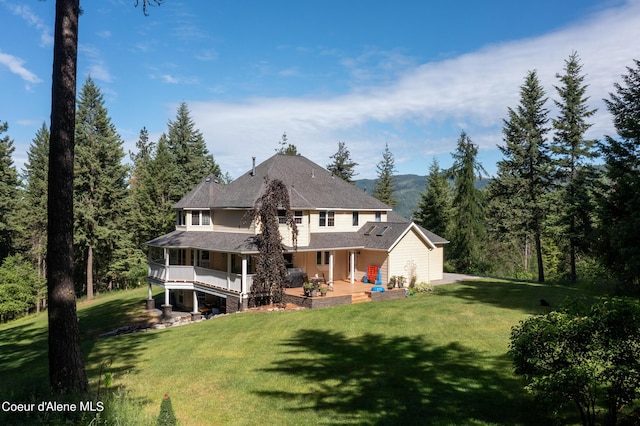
pixel 547 214
pixel 550 212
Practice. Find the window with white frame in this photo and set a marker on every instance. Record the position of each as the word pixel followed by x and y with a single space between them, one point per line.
pixel 195 218
pixel 355 218
pixel 181 218
pixel 206 218
pixel 378 216
pixel 327 219
pixel 297 217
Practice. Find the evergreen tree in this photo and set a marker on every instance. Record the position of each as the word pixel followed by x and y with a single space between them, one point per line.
pixel 100 188
pixel 8 194
pixel 571 153
pixel 66 367
pixel 467 225
pixel 286 148
pixel 434 207
pixel 152 190
pixel 385 184
pixel 342 165
pixel 189 151
pixel 620 202
pixel 35 180
pixel 519 191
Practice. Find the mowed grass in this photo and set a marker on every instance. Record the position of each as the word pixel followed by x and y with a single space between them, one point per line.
pixel 437 358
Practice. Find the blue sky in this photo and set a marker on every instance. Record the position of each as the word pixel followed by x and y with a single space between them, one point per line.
pixel 410 74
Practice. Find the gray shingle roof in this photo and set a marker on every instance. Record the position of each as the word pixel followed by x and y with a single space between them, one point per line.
pixel 205 240
pixel 203 195
pixel 310 187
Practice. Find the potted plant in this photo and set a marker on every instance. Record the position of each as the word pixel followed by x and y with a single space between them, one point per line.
pixel 323 291
pixel 308 287
pixel 392 282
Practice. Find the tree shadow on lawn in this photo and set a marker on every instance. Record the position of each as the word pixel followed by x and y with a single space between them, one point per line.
pixel 24 348
pixel 512 294
pixel 115 354
pixel 376 380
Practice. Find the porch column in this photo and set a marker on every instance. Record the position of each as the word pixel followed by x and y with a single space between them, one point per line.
pixel 331 267
pixel 166 264
pixel 195 315
pixel 352 265
pixel 166 296
pixel 151 304
pixel 243 285
pixel 229 270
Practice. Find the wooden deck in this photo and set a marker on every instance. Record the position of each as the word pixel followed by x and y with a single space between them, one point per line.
pixel 342 293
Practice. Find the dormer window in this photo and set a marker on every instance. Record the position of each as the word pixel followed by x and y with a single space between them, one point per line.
pixel 378 216
pixel 195 218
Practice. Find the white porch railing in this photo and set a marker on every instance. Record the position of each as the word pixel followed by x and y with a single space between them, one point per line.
pixel 193 274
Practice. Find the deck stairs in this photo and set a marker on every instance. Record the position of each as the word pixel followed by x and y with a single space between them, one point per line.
pixel 360 297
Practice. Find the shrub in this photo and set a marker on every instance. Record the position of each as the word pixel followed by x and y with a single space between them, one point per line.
pixel 423 287
pixel 577 355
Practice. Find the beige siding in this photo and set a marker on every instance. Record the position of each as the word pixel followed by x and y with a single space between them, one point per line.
pixel 436 265
pixel 343 221
pixel 230 221
pixel 412 251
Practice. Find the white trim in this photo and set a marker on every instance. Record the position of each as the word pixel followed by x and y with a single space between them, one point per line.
pixel 411 226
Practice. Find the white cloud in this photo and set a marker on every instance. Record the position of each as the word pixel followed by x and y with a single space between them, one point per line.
pixel 96 66
pixel 46 38
pixel 15 65
pixel 473 90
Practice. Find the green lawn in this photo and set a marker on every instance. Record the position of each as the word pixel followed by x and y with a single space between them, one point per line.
pixel 428 359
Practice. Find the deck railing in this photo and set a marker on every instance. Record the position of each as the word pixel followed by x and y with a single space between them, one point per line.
pixel 195 274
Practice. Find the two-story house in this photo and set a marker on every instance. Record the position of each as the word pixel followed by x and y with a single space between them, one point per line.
pixel 342 232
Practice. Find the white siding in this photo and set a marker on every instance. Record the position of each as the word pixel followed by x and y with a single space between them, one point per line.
pixel 413 250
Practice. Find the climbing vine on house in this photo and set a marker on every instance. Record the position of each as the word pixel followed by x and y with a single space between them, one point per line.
pixel 269 279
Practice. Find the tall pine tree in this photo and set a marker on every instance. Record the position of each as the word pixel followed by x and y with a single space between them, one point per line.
pixel 524 175
pixel 467 225
pixel 571 153
pixel 620 203
pixel 100 188
pixel 35 180
pixel 385 184
pixel 434 207
pixel 189 151
pixel 8 194
pixel 342 165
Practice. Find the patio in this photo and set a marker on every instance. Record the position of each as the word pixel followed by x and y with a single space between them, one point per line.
pixel 342 293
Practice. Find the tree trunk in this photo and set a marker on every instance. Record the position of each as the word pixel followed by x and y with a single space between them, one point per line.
pixel 89 272
pixel 66 367
pixel 539 256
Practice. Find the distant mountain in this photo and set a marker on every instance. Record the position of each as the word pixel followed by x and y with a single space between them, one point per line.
pixel 408 189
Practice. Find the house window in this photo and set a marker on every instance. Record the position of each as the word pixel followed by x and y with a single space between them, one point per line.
pixel 327 219
pixel 355 218
pixel 206 218
pixel 322 258
pixel 181 218
pixel 297 217
pixel 378 216
pixel 282 217
pixel 195 218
